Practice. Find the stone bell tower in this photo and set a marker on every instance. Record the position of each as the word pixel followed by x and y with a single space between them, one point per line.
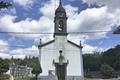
pixel 60 21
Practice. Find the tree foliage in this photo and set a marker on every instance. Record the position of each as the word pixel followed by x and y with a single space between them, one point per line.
pixel 112 57
pixel 106 70
pixel 34 63
pixel 92 62
pixel 36 70
pixel 4 4
pixel 4 66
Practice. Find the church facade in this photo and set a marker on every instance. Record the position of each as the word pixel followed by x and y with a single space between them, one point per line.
pixel 50 51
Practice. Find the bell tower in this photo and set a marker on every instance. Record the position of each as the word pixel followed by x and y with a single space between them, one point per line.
pixel 60 21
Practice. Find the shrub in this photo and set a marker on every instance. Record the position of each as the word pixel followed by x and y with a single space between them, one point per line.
pixel 106 70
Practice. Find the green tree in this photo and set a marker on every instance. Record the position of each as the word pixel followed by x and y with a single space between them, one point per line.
pixel 36 67
pixel 112 57
pixel 36 70
pixel 92 62
pixel 4 66
pixel 4 4
pixel 106 70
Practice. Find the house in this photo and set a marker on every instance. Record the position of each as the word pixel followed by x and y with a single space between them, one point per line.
pixel 20 71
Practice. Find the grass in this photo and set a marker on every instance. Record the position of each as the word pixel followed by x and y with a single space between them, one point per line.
pixel 93 79
pixel 98 79
pixel 26 78
pixel 4 77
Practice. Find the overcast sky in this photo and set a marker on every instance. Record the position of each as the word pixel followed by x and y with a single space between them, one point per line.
pixel 36 16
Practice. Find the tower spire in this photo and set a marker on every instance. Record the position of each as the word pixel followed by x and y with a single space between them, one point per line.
pixel 60 2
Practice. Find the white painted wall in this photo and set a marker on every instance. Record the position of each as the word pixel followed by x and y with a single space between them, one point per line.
pixel 71 52
pixel 73 55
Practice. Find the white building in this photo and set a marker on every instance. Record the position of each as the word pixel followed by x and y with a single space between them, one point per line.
pixel 20 71
pixel 70 50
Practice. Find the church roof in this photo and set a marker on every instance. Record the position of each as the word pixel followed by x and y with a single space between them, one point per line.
pixel 41 45
pixel 79 46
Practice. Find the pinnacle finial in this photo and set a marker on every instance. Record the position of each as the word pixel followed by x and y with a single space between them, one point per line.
pixel 40 41
pixel 60 2
pixel 81 44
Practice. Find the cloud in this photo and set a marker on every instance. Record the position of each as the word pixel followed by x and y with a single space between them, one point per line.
pixel 111 4
pixel 20 53
pixel 5 55
pixel 88 49
pixel 18 56
pixel 31 51
pixel 3 46
pixel 112 8
pixel 8 24
pixel 48 9
pixel 13 11
pixel 6 52
pixel 71 11
pixel 24 3
pixel 91 19
pixel 5 11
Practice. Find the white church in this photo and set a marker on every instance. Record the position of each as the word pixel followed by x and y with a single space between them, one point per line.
pixel 50 51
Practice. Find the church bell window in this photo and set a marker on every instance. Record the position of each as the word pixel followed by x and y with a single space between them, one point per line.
pixel 60 28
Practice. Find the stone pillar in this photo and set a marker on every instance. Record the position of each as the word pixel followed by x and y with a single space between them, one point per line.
pixel 61 68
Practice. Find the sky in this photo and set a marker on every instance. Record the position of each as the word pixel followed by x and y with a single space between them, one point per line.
pixel 97 19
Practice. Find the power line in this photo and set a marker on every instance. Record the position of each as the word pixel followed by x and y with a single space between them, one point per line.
pixel 53 33
pixel 92 32
pixel 34 51
pixel 24 33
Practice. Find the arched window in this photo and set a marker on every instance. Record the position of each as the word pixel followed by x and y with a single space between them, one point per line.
pixel 60 27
